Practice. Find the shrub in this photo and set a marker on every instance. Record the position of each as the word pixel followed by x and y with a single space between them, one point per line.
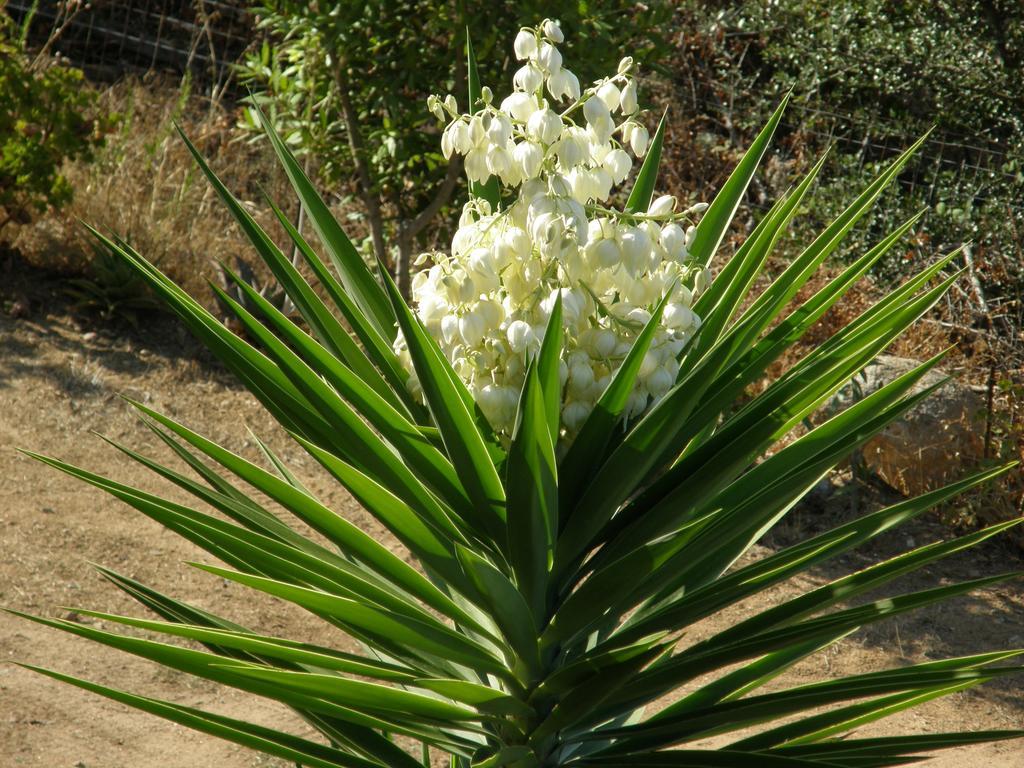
pixel 45 120
pixel 561 562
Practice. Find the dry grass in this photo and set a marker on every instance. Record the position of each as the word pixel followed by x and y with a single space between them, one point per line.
pixel 145 187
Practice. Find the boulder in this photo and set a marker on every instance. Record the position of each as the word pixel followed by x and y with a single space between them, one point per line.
pixel 934 444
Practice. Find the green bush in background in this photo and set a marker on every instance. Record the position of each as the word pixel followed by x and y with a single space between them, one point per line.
pixel 44 120
pixel 869 76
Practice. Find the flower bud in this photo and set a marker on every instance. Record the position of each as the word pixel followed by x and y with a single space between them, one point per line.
pixel 702 282
pixel 486 95
pixel 627 99
pixel 552 31
pixel 662 206
pixel 638 138
pixel 446 143
pixel 435 107
pixel 525 44
pixel 625 65
pixel 691 234
pixel 451 104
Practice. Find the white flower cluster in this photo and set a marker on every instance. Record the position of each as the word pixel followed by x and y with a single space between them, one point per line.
pixel 487 303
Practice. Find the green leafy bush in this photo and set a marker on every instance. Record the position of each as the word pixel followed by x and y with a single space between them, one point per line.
pixel 44 120
pixel 557 577
pixel 869 76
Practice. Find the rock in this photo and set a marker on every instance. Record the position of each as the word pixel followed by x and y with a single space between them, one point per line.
pixel 933 444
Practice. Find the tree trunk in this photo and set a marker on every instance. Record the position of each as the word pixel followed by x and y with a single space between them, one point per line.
pixel 367 188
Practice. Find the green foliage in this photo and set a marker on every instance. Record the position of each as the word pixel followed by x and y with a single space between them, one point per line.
pixel 112 288
pixel 553 593
pixel 44 121
pixel 870 76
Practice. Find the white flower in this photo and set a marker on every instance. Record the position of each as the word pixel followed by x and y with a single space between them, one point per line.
pixel 528 156
pixel 462 139
pixel 609 94
pixel 525 44
pixel 549 58
pixel 594 109
pixel 499 161
pixel 564 85
pixel 528 78
pixel 574 414
pixel 617 163
pixel 498 403
pixel 672 240
pixel 544 125
pixel 449 328
pixel 520 336
pixel 499 129
pixel 476 165
pixel 471 329
pixel 601 129
pixel 447 146
pixel 660 382
pixel 572 148
pixel 636 251
pixel 678 317
pixel 488 301
pixel 519 105
pixel 625 65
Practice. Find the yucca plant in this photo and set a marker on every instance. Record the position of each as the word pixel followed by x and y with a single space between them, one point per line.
pixel 561 555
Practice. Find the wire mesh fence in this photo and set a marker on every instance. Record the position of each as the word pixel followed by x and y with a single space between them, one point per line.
pixel 111 38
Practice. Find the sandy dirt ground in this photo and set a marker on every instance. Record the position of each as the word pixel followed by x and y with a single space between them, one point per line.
pixel 60 380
